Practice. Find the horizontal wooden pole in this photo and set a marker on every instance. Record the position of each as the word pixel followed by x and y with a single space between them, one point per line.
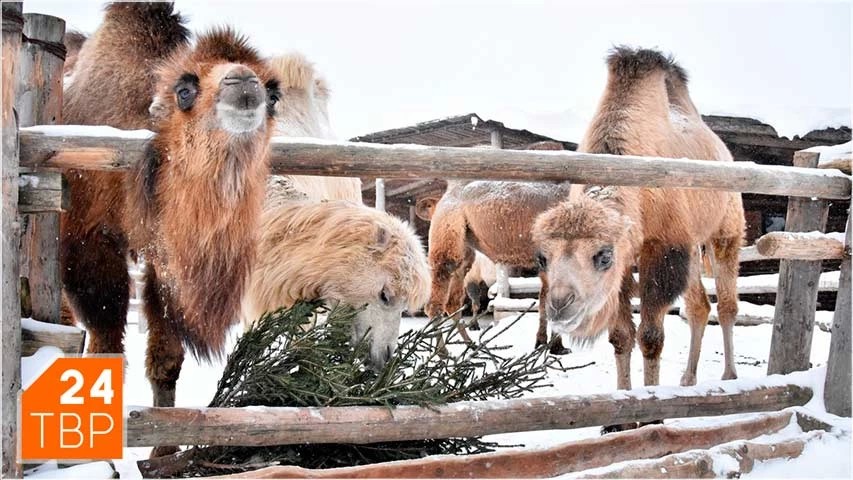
pixel 282 426
pixel 101 148
pixel 800 246
pixel 756 284
pixel 653 441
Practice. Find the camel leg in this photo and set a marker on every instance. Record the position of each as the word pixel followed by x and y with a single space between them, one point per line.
pixel 95 279
pixel 726 253
pixel 622 333
pixel 664 271
pixel 165 353
pixel 697 306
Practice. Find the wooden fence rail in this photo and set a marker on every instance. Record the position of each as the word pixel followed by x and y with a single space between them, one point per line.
pixel 100 148
pixel 288 425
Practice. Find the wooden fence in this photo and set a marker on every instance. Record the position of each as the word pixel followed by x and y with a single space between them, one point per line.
pixel 45 149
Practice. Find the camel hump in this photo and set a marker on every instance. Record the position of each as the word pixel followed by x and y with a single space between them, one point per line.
pixel 634 63
pixel 294 71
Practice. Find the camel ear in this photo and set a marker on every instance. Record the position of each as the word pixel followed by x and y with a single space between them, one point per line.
pixel 383 238
pixel 158 110
pixel 425 208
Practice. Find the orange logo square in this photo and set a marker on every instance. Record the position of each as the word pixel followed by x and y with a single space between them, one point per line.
pixel 74 411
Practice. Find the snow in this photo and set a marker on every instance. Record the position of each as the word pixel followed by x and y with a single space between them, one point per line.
pixel 829 153
pixel 88 471
pixel 87 131
pixel 33 366
pixel 36 326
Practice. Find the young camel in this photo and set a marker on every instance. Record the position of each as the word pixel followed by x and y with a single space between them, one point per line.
pixel 494 218
pixel 588 244
pixel 316 236
pixel 190 206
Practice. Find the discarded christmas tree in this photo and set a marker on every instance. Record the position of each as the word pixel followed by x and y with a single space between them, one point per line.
pixel 280 362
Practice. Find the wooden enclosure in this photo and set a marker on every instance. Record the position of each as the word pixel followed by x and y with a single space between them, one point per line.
pixel 45 150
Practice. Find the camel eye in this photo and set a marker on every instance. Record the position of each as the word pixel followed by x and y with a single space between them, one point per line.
pixel 186 90
pixel 273 95
pixel 541 261
pixel 603 260
pixel 384 298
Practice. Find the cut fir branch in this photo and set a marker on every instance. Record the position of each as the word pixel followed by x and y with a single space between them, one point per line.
pixel 285 361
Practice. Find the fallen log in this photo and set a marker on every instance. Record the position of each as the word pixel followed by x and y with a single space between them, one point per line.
pixel 652 441
pixel 256 426
pixel 800 246
pixel 709 464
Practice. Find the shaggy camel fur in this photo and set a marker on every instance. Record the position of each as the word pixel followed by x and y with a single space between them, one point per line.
pixel 494 218
pixel 305 114
pixel 589 243
pixel 313 250
pixel 190 206
pixel 73 42
pixel 340 251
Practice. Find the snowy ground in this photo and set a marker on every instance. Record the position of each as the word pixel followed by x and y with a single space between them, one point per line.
pixel 828 457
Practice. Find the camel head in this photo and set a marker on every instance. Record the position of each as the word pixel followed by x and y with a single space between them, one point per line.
pixel 221 85
pixel 343 253
pixel 584 247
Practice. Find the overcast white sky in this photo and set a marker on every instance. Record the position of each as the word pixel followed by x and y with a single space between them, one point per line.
pixel 539 64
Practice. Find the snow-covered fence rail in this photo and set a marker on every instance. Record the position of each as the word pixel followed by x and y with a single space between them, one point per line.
pixel 100 148
pixel 254 426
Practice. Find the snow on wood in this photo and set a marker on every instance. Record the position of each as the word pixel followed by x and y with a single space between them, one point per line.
pixel 35 334
pixel 650 442
pixel 755 284
pixel 395 161
pixel 835 156
pixel 800 246
pixel 725 461
pixel 279 426
pixel 750 314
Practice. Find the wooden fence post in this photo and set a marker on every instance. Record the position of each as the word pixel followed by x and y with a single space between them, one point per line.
pixel 836 394
pixel 39 102
pixel 10 322
pixel 380 194
pixel 796 297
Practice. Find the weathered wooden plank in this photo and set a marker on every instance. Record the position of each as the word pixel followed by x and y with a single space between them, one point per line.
pixel 39 102
pixel 10 324
pixel 799 246
pixel 838 375
pixel 281 426
pixel 35 334
pixel 725 461
pixel 652 441
pixel 118 150
pixel 796 297
pixel 41 192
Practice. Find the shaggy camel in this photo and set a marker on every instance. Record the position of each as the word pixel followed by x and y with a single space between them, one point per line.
pixel 190 206
pixel 588 244
pixel 313 249
pixel 494 218
pixel 340 251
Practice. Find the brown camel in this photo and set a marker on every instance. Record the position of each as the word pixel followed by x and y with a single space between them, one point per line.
pixel 190 207
pixel 589 244
pixel 494 218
